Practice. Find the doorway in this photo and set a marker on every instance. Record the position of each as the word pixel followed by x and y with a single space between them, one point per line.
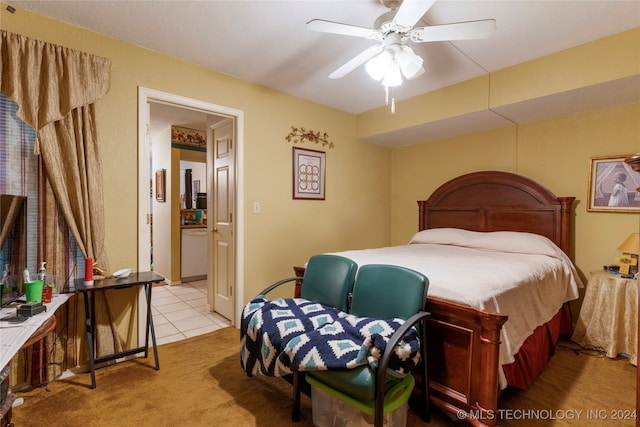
pixel 148 98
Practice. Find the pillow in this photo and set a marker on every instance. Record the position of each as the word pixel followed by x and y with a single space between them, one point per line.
pixel 504 241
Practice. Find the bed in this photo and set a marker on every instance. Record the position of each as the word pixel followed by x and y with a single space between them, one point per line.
pixel 467 360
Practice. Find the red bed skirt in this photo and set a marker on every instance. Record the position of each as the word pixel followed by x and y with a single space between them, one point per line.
pixel 536 351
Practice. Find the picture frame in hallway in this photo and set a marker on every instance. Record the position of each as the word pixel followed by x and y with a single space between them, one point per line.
pixel 308 174
pixel 612 186
pixel 161 185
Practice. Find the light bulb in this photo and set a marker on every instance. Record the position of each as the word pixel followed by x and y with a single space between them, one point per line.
pixel 392 77
pixel 378 65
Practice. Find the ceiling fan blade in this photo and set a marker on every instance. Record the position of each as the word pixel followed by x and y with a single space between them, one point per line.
pixel 337 28
pixel 410 12
pixel 354 63
pixel 459 31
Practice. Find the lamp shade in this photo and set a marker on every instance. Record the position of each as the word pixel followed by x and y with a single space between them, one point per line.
pixel 378 66
pixel 410 63
pixel 631 245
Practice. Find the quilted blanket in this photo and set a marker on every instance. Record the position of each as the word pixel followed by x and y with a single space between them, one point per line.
pixel 285 335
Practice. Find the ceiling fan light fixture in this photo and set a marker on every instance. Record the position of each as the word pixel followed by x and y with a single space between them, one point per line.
pixel 394 62
pixel 392 58
pixel 385 68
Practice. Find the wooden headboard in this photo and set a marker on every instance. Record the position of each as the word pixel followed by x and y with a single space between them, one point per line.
pixel 499 201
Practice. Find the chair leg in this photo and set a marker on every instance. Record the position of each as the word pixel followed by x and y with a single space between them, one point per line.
pixel 378 419
pixel 426 409
pixel 378 407
pixel 295 411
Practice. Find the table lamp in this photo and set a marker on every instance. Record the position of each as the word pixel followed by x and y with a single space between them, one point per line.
pixel 630 248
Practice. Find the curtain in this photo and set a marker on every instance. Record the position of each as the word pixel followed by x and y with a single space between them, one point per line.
pixel 55 89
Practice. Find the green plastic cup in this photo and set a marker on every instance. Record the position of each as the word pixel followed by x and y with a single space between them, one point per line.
pixel 33 290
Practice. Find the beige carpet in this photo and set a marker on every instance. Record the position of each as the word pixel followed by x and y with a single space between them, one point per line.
pixel 201 383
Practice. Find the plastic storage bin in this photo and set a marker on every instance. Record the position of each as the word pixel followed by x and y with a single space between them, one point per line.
pixel 328 411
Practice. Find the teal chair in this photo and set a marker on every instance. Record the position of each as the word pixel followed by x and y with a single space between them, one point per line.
pixel 385 292
pixel 328 280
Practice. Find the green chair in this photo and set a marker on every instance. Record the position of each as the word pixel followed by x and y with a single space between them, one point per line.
pixel 328 280
pixel 385 292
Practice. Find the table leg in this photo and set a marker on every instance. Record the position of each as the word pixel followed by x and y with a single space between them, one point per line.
pixel 150 327
pixel 89 326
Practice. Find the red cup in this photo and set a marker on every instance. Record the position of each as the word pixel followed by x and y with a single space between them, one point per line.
pixel 46 294
pixel 88 269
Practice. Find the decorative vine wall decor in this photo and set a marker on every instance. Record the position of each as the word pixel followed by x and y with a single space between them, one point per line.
pixel 302 135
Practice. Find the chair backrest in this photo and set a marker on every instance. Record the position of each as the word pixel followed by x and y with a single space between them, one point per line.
pixel 388 291
pixel 328 280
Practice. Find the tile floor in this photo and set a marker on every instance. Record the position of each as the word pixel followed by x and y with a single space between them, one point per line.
pixel 181 311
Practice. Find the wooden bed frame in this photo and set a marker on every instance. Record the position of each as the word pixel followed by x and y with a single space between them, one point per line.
pixel 463 344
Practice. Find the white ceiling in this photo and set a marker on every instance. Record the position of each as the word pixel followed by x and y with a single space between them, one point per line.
pixel 266 41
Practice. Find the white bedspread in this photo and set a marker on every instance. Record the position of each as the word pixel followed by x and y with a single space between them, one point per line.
pixel 522 275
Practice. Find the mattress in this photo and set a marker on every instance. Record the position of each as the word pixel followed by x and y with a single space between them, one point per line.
pixel 523 275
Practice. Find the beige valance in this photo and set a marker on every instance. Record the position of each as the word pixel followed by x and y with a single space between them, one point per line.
pixel 47 81
pixel 55 89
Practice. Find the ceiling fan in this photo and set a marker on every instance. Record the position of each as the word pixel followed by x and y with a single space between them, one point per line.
pixel 392 57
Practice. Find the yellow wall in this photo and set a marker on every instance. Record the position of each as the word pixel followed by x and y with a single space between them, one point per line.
pixel 354 214
pixel 555 153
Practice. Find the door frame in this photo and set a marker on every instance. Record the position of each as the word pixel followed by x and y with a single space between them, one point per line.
pixel 145 96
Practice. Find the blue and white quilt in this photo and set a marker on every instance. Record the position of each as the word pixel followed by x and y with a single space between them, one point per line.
pixel 285 335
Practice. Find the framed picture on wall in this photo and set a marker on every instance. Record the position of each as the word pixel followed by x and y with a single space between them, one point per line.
pixel 160 185
pixel 612 186
pixel 308 174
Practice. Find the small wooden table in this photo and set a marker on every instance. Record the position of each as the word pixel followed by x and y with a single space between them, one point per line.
pixel 608 318
pixel 17 336
pixel 39 360
pixel 14 336
pixel 6 410
pixel 145 279
pixel 6 405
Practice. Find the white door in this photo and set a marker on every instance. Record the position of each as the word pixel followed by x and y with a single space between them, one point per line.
pixel 236 117
pixel 220 213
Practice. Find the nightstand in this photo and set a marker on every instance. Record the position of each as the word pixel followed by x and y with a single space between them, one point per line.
pixel 608 318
